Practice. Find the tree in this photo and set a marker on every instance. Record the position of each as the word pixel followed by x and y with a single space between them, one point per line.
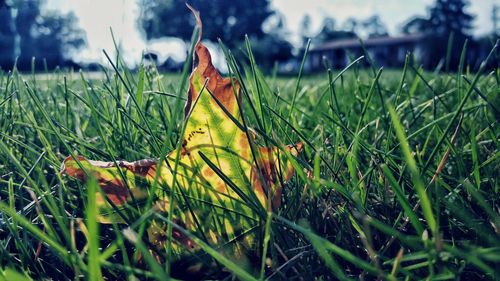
pixel 228 20
pixel 305 29
pixel 274 46
pixel 328 32
pixel 495 18
pixel 57 37
pixel 445 17
pixel 27 12
pixel 447 20
pixel 374 27
pixel 45 35
pixel 7 36
pixel 415 25
pixel 351 24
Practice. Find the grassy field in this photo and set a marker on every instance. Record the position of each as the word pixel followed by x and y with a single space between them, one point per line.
pixel 398 179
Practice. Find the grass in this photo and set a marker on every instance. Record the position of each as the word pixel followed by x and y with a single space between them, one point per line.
pixel 398 179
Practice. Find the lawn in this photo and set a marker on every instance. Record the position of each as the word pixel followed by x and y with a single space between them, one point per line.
pixel 398 178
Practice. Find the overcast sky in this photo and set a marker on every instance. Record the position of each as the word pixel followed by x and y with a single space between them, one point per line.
pixel 97 16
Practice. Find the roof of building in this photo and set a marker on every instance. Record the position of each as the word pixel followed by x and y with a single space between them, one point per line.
pixel 370 42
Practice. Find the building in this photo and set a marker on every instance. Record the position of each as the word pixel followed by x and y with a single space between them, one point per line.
pixel 384 51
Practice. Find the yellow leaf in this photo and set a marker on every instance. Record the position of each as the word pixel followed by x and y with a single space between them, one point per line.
pixel 223 180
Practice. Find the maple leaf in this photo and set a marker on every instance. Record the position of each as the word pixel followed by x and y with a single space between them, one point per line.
pixel 222 181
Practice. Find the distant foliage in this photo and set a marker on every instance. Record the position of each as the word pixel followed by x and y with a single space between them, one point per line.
pixel 6 36
pixel 351 28
pixel 446 20
pixel 225 19
pixel 273 47
pixel 329 32
pixel 374 27
pixel 45 35
pixel 445 16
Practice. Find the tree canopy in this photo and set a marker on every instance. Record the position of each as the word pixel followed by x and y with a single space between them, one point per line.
pixel 42 34
pixel 374 27
pixel 447 20
pixel 444 17
pixel 7 35
pixel 329 32
pixel 228 20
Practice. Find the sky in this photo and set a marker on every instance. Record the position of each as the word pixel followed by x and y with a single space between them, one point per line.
pixel 96 17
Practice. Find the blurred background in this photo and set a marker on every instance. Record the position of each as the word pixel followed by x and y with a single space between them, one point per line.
pixel 72 34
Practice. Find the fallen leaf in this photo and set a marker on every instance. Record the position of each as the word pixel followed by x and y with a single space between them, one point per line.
pixel 223 181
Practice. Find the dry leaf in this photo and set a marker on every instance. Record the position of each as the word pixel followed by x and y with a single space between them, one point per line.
pixel 221 185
